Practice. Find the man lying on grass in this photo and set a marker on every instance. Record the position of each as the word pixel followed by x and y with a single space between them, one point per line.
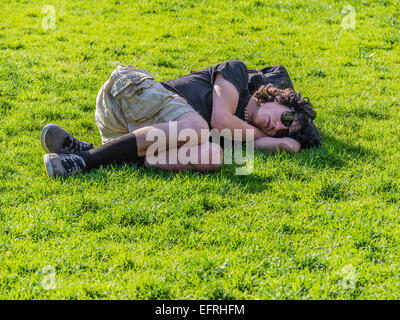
pixel 132 105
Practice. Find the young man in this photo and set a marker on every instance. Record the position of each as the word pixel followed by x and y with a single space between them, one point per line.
pixel 132 105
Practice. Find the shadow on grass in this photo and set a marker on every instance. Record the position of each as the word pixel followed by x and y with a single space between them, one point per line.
pixel 333 154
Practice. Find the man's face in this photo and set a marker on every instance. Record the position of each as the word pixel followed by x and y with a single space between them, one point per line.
pixel 268 118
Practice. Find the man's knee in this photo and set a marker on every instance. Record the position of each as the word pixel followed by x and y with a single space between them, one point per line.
pixel 211 157
pixel 205 157
pixel 197 125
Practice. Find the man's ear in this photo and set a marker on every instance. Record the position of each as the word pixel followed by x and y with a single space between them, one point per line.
pixel 257 101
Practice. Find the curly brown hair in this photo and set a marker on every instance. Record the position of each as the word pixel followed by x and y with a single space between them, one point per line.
pixel 307 134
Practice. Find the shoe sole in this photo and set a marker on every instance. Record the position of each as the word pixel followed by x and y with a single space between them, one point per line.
pixel 43 136
pixel 47 164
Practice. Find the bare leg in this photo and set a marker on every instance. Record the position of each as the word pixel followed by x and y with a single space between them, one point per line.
pixel 203 157
pixel 189 120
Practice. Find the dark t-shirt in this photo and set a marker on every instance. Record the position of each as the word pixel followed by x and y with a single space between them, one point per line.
pixel 197 87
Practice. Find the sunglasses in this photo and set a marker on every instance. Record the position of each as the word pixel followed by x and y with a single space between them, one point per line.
pixel 287 118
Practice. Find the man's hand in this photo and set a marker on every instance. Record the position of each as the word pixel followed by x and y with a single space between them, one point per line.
pixel 286 144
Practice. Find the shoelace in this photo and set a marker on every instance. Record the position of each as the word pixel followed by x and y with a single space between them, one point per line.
pixel 72 163
pixel 74 144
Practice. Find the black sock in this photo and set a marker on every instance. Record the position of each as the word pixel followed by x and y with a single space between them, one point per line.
pixel 117 151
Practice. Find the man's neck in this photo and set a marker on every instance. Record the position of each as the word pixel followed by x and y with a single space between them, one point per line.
pixel 252 108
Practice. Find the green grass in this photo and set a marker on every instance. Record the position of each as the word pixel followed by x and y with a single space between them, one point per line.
pixel 290 230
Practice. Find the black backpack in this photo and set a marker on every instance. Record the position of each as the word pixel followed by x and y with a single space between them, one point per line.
pixel 277 75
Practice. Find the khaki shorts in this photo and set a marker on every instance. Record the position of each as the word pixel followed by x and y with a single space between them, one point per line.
pixel 132 99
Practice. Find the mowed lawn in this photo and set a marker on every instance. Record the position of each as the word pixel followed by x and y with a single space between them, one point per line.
pixel 321 224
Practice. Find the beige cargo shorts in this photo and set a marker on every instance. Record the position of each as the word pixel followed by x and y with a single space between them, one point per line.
pixel 132 99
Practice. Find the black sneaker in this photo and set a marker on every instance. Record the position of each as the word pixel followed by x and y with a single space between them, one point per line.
pixel 63 165
pixel 55 139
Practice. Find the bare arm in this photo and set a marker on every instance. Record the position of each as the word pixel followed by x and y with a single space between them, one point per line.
pixel 271 144
pixel 225 100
